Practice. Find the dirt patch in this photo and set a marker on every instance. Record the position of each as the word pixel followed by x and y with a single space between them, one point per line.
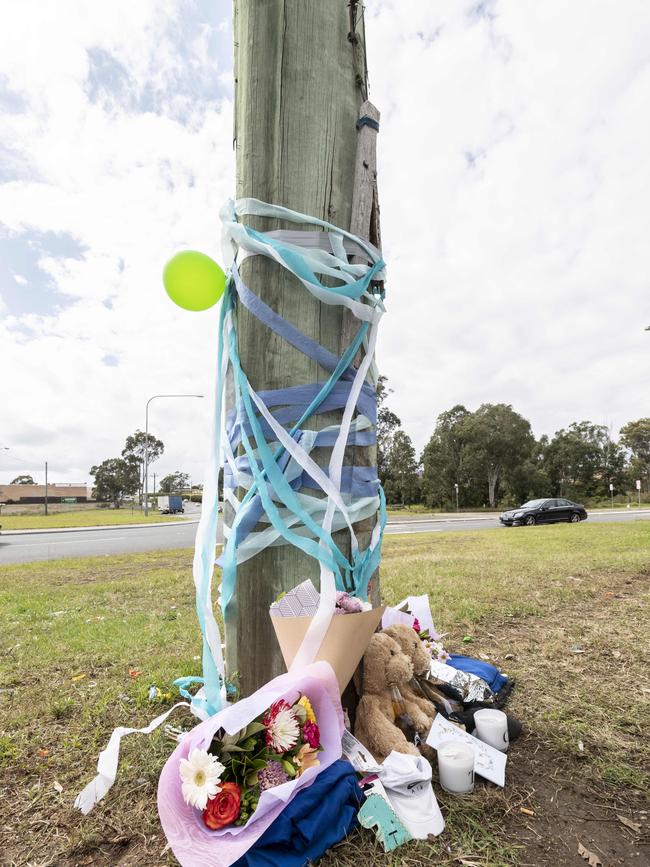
pixel 569 811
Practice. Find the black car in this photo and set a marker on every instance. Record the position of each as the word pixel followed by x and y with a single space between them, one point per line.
pixel 544 512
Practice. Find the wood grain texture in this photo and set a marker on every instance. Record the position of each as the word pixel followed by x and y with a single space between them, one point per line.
pixel 297 102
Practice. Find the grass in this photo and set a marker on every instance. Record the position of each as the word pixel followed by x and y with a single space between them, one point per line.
pixel 564 609
pixel 82 518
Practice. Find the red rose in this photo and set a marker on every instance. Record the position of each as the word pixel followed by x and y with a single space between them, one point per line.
pixel 224 808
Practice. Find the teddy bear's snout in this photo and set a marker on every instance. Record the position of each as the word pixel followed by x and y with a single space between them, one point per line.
pixel 399 669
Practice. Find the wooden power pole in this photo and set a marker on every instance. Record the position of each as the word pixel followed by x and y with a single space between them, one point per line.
pixel 300 89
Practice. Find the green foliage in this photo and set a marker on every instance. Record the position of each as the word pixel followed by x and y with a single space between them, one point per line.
pixel 487 453
pixel 442 459
pixel 174 482
pixel 401 483
pixel 243 754
pixel 493 457
pixel 115 478
pixel 249 801
pixel 387 425
pixel 582 461
pixel 135 447
pixel 497 440
pixel 635 436
pixel 23 480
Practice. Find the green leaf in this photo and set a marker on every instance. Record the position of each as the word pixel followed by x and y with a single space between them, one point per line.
pixel 254 728
pixel 289 768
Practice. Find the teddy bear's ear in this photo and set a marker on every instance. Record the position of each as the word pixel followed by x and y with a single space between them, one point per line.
pixel 391 631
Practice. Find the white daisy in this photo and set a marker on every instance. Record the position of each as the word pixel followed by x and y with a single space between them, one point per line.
pixel 201 775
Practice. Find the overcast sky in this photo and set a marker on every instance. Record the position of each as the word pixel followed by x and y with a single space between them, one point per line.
pixel 514 183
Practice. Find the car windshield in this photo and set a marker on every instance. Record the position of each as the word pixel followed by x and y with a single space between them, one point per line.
pixel 532 504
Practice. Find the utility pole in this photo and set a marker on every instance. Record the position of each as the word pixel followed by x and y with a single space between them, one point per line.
pixel 46 487
pixel 300 89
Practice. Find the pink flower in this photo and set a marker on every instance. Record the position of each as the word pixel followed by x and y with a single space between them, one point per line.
pixel 416 624
pixel 311 734
pixel 348 603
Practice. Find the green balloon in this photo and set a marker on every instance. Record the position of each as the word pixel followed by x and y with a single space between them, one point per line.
pixel 193 280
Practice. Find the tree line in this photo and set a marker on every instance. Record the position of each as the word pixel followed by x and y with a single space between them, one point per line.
pixel 494 459
pixel 118 478
pixel 491 454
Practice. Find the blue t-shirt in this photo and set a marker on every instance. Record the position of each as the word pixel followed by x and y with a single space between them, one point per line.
pixel 317 818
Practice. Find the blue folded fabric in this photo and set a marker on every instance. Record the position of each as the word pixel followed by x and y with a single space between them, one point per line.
pixel 317 818
pixel 490 673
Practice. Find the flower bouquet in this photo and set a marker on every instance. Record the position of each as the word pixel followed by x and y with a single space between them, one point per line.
pixel 226 780
pixel 232 775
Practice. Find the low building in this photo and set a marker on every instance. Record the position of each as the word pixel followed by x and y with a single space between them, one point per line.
pixel 56 493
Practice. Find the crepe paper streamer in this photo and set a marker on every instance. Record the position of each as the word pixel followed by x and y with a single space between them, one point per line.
pixel 193 280
pixel 276 473
pixel 108 761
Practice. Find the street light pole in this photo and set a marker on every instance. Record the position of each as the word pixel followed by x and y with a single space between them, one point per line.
pixel 456 487
pixel 146 443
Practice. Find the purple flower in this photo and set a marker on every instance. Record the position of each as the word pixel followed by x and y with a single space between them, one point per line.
pixel 348 603
pixel 272 775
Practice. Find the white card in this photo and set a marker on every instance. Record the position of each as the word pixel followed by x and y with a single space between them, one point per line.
pixel 488 762
pixel 420 608
pixel 392 616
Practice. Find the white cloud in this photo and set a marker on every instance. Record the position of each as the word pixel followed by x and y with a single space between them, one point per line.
pixel 522 277
pixel 129 187
pixel 514 182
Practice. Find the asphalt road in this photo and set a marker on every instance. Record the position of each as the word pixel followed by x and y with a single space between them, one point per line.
pixel 27 547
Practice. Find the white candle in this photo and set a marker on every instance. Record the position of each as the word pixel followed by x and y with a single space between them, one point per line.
pixel 456 767
pixel 492 728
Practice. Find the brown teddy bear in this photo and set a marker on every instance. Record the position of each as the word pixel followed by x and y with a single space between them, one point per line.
pixel 384 668
pixel 410 644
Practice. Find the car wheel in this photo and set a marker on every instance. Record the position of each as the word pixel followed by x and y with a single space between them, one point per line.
pixel 575 518
pixel 530 521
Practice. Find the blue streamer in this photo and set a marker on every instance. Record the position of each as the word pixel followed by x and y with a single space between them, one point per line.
pixel 277 486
